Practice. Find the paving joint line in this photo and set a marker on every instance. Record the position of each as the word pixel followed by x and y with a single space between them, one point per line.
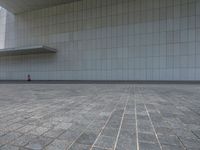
pixel 119 131
pixel 67 148
pixel 190 108
pixel 103 148
pixel 93 145
pixel 64 131
pixel 102 129
pixel 136 124
pixel 152 124
pixel 172 130
pixel 181 142
pixel 196 135
pixel 153 127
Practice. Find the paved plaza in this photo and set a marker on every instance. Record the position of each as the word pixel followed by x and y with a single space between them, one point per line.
pixel 99 117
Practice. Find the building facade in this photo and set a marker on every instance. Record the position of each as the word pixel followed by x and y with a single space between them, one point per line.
pixel 105 40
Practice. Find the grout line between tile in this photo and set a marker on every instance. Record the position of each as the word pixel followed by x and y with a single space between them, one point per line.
pixel 136 124
pixel 122 120
pixel 79 135
pixel 152 126
pixel 105 125
pixel 102 129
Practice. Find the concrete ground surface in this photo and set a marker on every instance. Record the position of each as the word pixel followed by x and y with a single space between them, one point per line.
pixel 99 116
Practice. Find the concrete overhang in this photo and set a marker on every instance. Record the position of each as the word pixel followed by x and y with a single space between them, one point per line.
pixel 27 51
pixel 19 6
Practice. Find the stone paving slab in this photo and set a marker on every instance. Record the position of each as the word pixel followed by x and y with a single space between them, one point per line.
pixel 99 117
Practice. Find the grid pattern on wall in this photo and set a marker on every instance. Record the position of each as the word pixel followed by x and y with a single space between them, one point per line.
pixel 107 40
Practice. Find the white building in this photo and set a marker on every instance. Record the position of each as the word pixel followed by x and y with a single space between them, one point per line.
pixel 100 40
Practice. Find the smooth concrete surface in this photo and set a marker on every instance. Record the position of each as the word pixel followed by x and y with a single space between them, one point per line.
pixel 106 40
pixel 99 117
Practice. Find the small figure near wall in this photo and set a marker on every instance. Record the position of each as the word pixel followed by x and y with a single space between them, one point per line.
pixel 29 78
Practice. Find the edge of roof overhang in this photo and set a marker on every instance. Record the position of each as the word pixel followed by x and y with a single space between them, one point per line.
pixel 41 49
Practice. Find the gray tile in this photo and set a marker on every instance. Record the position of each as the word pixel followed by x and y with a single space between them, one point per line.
pixel 70 135
pixel 63 126
pixel 77 146
pixel 149 146
pixel 197 133
pixel 191 143
pixel 145 137
pixel 145 128
pixel 26 128
pixel 105 142
pixel 54 133
pixel 58 145
pixel 87 138
pixel 14 126
pixel 126 143
pixel 172 147
pixel 110 132
pixel 9 137
pixel 9 147
pixel 97 148
pixel 114 124
pixel 83 111
pixel 143 117
pixel 38 131
pixel 23 140
pixel 184 133
pixel 38 143
pixel 127 136
pixel 164 131
pixel 2 133
pixel 169 140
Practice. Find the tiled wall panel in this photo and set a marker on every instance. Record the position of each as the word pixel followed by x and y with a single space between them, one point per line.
pixel 107 40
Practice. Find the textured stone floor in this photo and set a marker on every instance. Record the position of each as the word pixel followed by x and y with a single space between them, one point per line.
pixel 99 117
